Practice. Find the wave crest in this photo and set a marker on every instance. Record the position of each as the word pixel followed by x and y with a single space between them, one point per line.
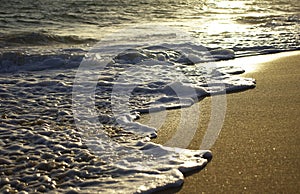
pixel 40 38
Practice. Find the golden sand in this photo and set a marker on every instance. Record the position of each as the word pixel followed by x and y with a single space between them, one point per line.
pixel 258 149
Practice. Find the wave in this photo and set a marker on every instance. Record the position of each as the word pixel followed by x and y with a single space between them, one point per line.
pixel 39 60
pixel 40 39
pixel 14 61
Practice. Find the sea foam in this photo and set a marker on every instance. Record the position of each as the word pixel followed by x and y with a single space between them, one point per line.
pixel 84 118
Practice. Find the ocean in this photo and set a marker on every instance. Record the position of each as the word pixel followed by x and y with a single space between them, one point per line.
pixel 75 76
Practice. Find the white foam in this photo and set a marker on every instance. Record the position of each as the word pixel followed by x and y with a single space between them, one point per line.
pixel 147 79
pixel 113 85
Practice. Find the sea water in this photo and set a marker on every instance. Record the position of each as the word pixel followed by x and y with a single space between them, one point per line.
pixel 75 76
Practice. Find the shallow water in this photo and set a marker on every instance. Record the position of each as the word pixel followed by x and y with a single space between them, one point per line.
pixel 53 141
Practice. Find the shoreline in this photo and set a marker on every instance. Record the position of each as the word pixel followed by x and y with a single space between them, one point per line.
pixel 258 147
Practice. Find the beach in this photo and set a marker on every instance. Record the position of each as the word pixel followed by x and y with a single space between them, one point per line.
pixel 77 77
pixel 258 148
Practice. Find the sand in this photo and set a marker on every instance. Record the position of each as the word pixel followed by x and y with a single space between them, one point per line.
pixel 258 149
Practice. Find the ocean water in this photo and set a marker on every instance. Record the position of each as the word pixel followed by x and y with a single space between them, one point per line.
pixel 33 30
pixel 76 75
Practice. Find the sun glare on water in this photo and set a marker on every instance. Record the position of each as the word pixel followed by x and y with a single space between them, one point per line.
pixel 230 4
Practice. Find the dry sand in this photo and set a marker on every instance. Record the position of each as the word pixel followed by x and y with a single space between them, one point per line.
pixel 258 149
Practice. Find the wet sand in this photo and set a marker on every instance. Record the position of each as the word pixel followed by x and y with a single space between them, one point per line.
pixel 258 149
